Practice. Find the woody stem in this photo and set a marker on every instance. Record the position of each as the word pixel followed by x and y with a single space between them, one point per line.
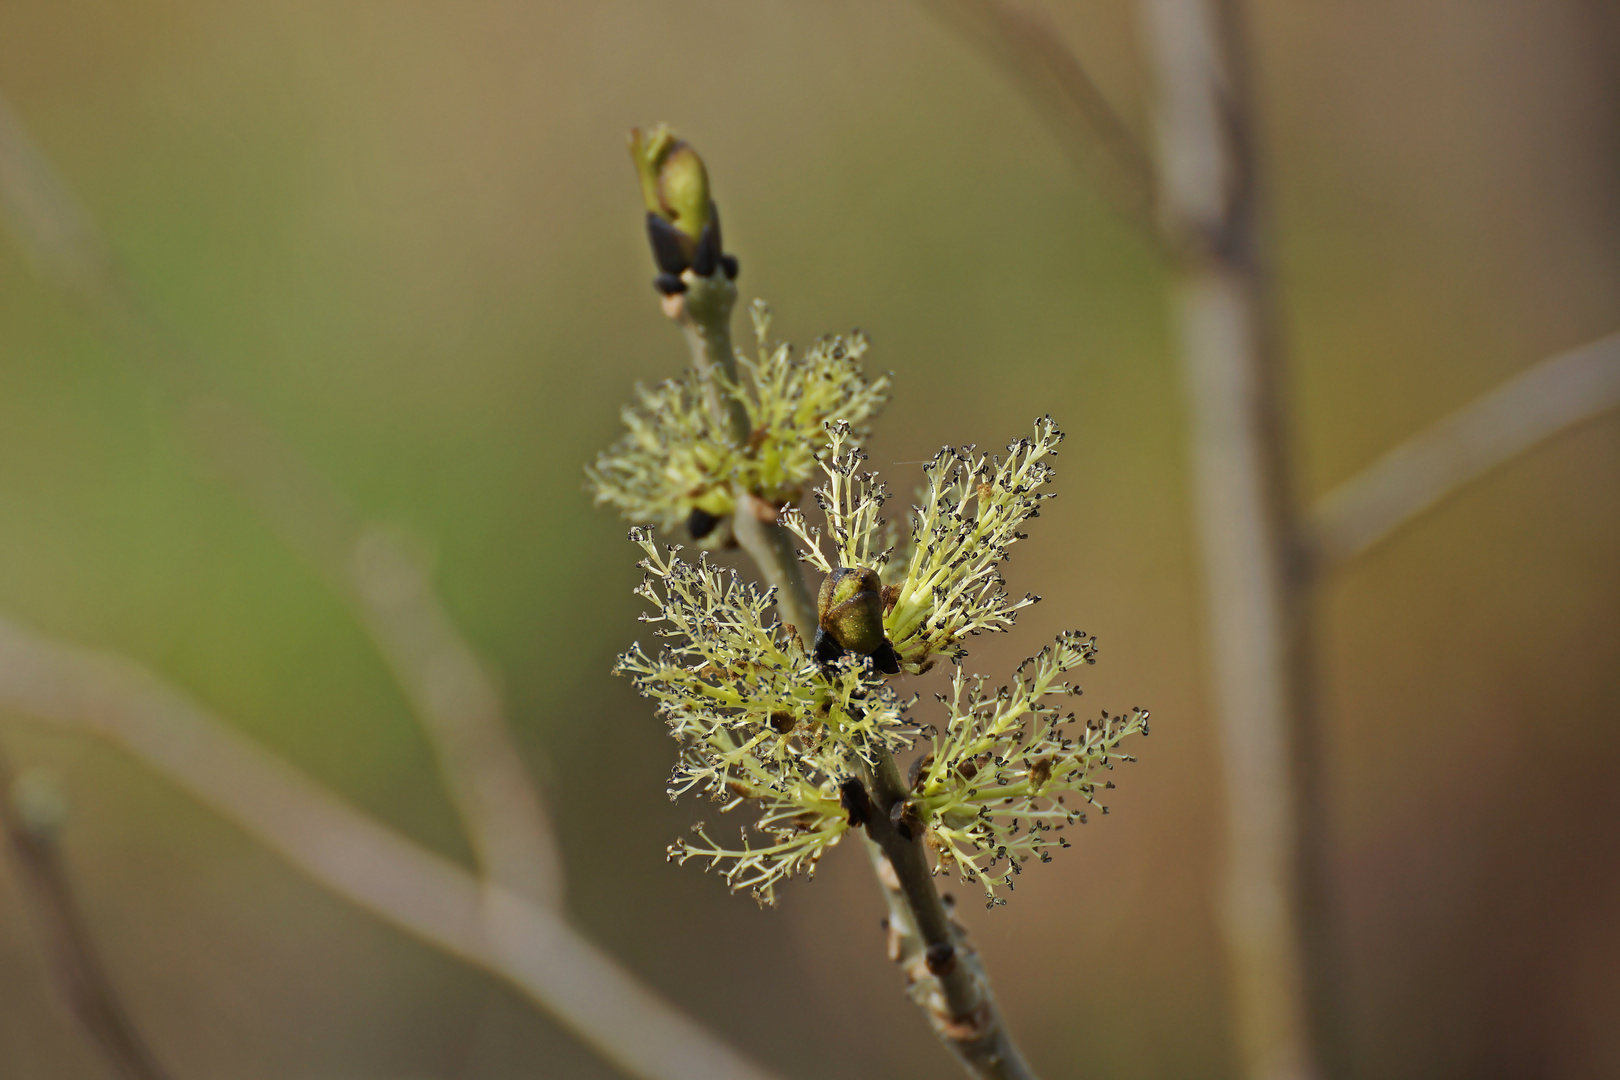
pixel 944 974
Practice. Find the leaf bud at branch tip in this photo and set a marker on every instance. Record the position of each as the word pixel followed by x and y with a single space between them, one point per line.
pixel 683 224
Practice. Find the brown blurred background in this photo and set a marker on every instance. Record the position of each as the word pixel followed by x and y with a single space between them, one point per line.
pixel 408 234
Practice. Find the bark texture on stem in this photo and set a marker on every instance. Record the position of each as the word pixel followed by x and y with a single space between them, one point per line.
pixel 943 972
pixel 72 958
pixel 1255 586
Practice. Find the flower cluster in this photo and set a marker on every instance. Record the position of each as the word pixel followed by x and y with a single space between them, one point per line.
pixel 765 719
pixel 1007 762
pixel 758 720
pixel 947 583
pixel 676 457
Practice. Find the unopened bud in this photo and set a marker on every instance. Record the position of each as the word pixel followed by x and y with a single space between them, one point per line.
pixel 683 224
pixel 850 607
pixel 849 612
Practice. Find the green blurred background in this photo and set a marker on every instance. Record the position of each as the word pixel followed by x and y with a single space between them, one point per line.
pixel 408 234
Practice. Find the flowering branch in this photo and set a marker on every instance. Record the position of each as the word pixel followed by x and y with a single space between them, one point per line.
pixel 796 717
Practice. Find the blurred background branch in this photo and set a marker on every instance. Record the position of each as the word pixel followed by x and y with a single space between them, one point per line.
pixel 1257 621
pixel 424 894
pixel 81 978
pixel 372 567
pixel 1553 396
pixel 1028 49
pixel 451 692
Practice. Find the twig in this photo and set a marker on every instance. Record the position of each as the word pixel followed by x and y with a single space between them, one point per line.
pixel 449 689
pixel 703 312
pixel 1553 396
pixel 458 704
pixel 1255 589
pixel 775 554
pixel 1023 41
pixel 74 962
pixel 942 970
pixel 528 946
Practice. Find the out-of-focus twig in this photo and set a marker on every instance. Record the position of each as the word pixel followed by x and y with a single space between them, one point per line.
pixel 1024 42
pixel 390 590
pixel 1256 592
pixel 74 963
pixel 523 943
pixel 52 228
pixel 454 697
pixel 1553 396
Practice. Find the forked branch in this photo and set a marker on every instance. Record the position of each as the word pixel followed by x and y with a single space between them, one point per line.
pixel 456 701
pixel 348 853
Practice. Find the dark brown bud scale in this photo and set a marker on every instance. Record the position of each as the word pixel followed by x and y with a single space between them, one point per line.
pixel 940 958
pixel 853 798
pixel 905 819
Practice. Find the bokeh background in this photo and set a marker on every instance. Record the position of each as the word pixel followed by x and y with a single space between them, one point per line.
pixel 408 235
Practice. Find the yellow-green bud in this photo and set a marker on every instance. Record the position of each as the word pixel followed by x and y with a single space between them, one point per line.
pixel 850 609
pixel 683 224
pixel 674 183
